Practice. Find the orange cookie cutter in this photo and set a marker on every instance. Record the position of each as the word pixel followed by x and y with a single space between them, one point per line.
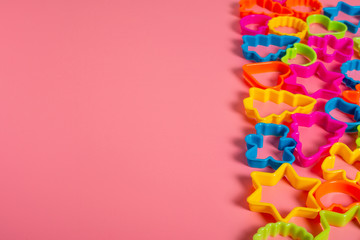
pixel 352 96
pixel 275 8
pixel 270 179
pixel 255 68
pixel 350 157
pixel 315 5
pixel 292 22
pixel 303 104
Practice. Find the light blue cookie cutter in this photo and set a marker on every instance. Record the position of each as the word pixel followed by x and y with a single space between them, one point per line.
pixel 332 12
pixel 267 40
pixel 349 66
pixel 255 141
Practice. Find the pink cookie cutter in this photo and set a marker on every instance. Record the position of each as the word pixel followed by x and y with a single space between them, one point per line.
pixel 258 19
pixel 335 128
pixel 343 48
pixel 332 80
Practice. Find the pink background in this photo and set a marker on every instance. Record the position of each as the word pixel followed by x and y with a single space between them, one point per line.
pixel 123 120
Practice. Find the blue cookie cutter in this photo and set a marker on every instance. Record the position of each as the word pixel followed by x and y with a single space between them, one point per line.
pixel 349 66
pixel 267 40
pixel 332 12
pixel 347 108
pixel 255 141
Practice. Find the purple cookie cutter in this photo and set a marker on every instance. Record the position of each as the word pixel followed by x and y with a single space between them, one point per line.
pixel 343 48
pixel 259 19
pixel 335 128
pixel 332 80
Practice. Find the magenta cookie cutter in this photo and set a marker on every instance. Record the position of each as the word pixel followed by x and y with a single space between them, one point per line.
pixel 333 127
pixel 332 80
pixel 343 48
pixel 260 19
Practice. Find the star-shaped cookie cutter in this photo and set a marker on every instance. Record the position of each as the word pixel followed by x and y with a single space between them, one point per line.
pixel 255 141
pixel 271 179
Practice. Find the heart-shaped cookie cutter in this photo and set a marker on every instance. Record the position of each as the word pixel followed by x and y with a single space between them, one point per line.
pixel 302 49
pixel 335 28
pixel 259 19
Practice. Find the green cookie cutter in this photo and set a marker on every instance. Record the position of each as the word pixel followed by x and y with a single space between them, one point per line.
pixel 339 29
pixel 302 49
pixel 357 44
pixel 282 229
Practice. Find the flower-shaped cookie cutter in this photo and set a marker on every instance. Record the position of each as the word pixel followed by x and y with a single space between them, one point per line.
pixel 335 28
pixel 273 8
pixel 292 22
pixel 331 79
pixel 303 104
pixel 282 229
pixel 255 141
pixel 315 5
pixel 271 179
pixel 350 66
pixel 259 19
pixel 333 127
pixel 302 49
pixel 267 40
pixel 347 108
pixel 350 157
pixel 343 48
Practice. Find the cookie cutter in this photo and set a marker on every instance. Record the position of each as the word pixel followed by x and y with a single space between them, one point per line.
pixel 303 104
pixel 347 108
pixel 315 5
pixel 292 22
pixel 338 186
pixel 357 44
pixel 352 96
pixel 332 80
pixel 302 49
pixel 260 179
pixel 335 128
pixel 255 68
pixel 282 229
pixel 358 138
pixel 260 19
pixel 255 141
pixel 275 9
pixel 350 66
pixel 350 157
pixel 266 40
pixel 343 48
pixel 332 12
pixel 335 28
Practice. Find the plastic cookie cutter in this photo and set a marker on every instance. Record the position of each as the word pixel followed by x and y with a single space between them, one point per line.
pixel 352 96
pixel 358 138
pixel 303 104
pixel 267 40
pixel 335 129
pixel 255 141
pixel 335 28
pixel 338 186
pixel 273 8
pixel 314 5
pixel 302 49
pixel 292 22
pixel 332 12
pixel 347 108
pixel 335 219
pixel 350 157
pixel 357 44
pixel 271 179
pixel 259 19
pixel 282 229
pixel 343 48
pixel 350 66
pixel 251 69
pixel 332 80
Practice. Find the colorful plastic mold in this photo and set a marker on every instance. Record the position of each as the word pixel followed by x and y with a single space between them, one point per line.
pixel 270 179
pixel 352 96
pixel 332 12
pixel 358 138
pixel 255 141
pixel 350 66
pixel 267 40
pixel 335 129
pixel 303 104
pixel 259 19
pixel 282 229
pixel 274 8
pixel 350 157
pixel 291 22
pixel 331 79
pixel 357 44
pixel 347 108
pixel 302 49
pixel 343 48
pixel 315 5
pixel 251 69
pixel 335 28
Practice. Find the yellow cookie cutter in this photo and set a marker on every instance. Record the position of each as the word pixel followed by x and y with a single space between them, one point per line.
pixel 270 179
pixel 347 155
pixel 303 104
pixel 292 22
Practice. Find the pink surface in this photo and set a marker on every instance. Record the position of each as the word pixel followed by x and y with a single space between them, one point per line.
pixel 124 120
